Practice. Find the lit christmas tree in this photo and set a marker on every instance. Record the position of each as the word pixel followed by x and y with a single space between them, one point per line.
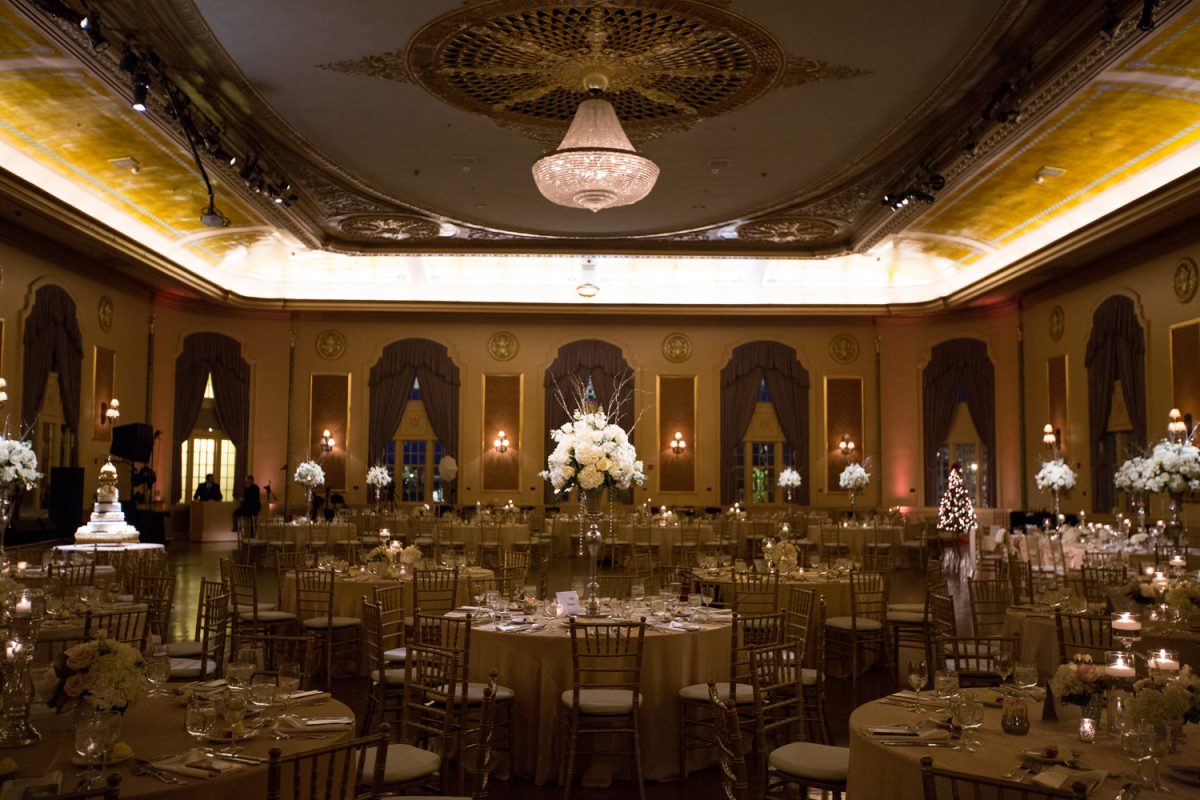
pixel 956 513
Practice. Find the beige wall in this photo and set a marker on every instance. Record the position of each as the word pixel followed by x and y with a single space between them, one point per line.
pixel 904 346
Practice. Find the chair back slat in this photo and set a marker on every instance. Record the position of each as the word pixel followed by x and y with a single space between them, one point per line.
pixel 1083 633
pixel 435 590
pixel 329 773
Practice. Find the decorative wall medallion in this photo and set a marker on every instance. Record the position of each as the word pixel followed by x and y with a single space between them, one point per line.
pixel 521 62
pixel 677 348
pixel 104 313
pixel 843 348
pixel 787 230
pixel 395 227
pixel 1187 277
pixel 330 344
pixel 502 345
pixel 1058 323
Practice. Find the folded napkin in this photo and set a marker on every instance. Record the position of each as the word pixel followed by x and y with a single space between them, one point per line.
pixel 906 696
pixel 932 733
pixel 680 625
pixel 289 723
pixel 1061 777
pixel 721 612
pixel 313 695
pixel 512 626
pixel 195 764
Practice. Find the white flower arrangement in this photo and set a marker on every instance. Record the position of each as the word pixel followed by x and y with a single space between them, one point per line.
pixel 107 674
pixel 592 453
pixel 393 552
pixel 309 474
pixel 1133 475
pixel 18 463
pixel 378 477
pixel 1055 475
pixel 789 478
pixel 1174 467
pixel 854 477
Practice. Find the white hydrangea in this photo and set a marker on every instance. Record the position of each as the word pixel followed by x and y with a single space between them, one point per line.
pixel 1173 467
pixel 854 477
pixel 591 452
pixel 309 474
pixel 379 477
pixel 789 477
pixel 18 463
pixel 1055 475
pixel 1132 476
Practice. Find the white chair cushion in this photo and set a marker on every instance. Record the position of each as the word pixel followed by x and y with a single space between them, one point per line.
pixel 338 622
pixel 475 693
pixel 267 616
pixel 819 762
pixel 183 649
pixel 190 667
pixel 394 677
pixel 243 608
pixel 808 677
pixel 602 702
pixel 404 763
pixel 847 623
pixel 397 655
pixel 911 617
pixel 698 692
pixel 919 607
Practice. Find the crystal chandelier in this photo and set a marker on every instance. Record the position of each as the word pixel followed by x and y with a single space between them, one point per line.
pixel 595 166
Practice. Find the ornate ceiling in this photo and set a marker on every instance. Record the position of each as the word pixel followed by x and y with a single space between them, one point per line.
pixel 401 137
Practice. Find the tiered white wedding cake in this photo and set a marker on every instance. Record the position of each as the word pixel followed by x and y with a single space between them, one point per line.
pixel 107 525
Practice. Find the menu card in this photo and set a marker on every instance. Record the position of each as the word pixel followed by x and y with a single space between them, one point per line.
pixel 569 601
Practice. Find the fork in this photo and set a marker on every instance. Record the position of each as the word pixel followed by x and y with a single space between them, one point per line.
pixel 1026 764
pixel 1034 769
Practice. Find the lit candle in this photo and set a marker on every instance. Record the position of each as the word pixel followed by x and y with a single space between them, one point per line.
pixel 22 566
pixel 24 607
pixel 1120 668
pixel 1165 660
pixel 1126 621
pixel 1149 570
pixel 1087 730
pixel 12 650
pixel 1177 561
pixel 1159 581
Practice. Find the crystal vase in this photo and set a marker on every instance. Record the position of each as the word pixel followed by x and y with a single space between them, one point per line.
pixel 8 494
pixel 15 730
pixel 853 507
pixel 590 505
pixel 1175 528
pixel 1057 507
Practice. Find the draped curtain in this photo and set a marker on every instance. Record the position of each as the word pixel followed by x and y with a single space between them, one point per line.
pixel 53 343
pixel 959 365
pixel 389 385
pixel 216 354
pixel 579 360
pixel 787 382
pixel 1116 350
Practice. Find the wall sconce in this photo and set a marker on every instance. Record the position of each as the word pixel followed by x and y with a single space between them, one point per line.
pixel 500 442
pixel 846 446
pixel 3 391
pixel 110 412
pixel 1176 428
pixel 1051 438
pixel 327 441
pixel 678 445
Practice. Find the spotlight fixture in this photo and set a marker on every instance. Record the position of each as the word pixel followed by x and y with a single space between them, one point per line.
pixel 1146 21
pixel 501 443
pixel 91 25
pixel 1112 19
pixel 327 441
pixel 678 445
pixel 141 88
pixel 110 412
pixel 213 218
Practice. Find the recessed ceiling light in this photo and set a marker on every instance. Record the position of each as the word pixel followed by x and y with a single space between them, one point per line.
pixel 1048 172
pixel 587 290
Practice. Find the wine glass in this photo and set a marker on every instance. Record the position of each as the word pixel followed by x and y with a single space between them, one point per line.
pixel 89 745
pixel 1158 740
pixel 1135 743
pixel 239 674
pixel 200 716
pixel 158 669
pixel 1025 676
pixel 288 680
pixel 968 711
pixel 945 684
pixel 638 591
pixel 706 597
pixel 918 676
pixel 262 693
pixel 272 711
pixel 1002 664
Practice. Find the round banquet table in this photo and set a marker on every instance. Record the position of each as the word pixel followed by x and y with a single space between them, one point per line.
pixel 537 667
pixel 880 770
pixel 348 592
pixel 510 533
pixel 1039 639
pixel 154 729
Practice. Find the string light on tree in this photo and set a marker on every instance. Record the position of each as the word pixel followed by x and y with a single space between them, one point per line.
pixel 956 512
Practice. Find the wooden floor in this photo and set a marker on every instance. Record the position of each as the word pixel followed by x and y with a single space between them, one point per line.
pixel 194 561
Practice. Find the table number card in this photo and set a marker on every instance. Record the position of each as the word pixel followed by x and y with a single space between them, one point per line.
pixel 569 601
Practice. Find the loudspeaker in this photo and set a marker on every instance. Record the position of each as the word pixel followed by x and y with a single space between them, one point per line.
pixel 134 442
pixel 66 499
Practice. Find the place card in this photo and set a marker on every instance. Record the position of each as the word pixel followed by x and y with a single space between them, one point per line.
pixel 569 601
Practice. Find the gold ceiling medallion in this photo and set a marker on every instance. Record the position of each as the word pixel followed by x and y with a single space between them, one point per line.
pixel 1186 279
pixel 502 345
pixel 330 344
pixel 787 230
pixel 677 348
pixel 843 348
pixel 395 227
pixel 1058 323
pixel 105 313
pixel 521 63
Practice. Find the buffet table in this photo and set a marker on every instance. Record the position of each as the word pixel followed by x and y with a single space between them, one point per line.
pixel 537 667
pixel 881 770
pixel 154 729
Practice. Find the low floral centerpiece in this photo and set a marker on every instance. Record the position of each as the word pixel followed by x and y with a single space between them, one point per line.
pixel 592 453
pixel 1184 593
pixel 106 674
pixel 1078 681
pixel 1141 590
pixel 1173 698
pixel 394 553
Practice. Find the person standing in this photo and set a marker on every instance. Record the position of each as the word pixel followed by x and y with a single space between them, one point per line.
pixel 209 490
pixel 251 505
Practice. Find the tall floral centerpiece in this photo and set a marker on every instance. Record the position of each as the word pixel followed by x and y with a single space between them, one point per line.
pixel 1132 477
pixel 378 478
pixel 1174 469
pixel 590 455
pixel 18 470
pixel 310 475
pixel 854 479
pixel 789 479
pixel 1056 477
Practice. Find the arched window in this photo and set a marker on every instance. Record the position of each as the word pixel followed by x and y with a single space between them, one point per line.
pixel 960 377
pixel 207 450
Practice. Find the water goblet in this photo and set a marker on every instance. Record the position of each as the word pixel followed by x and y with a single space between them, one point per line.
pixel 968 713
pixel 262 694
pixel 945 684
pixel 918 676
pixel 1158 744
pixel 638 591
pixel 274 709
pixel 89 735
pixel 1002 664
pixel 1135 743
pixel 1025 676
pixel 158 669
pixel 200 716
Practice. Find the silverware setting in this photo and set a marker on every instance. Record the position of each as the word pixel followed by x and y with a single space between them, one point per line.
pixel 141 766
pixel 909 743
